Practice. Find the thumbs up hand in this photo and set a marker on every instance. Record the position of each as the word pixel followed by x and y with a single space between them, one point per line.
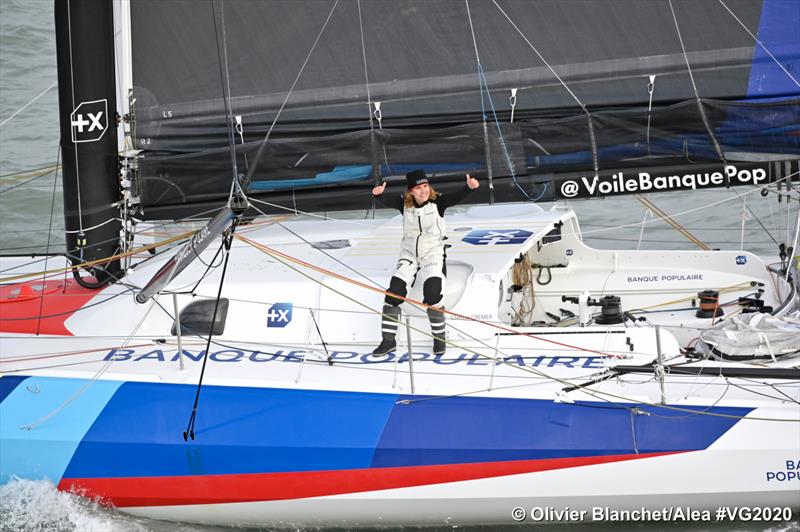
pixel 378 190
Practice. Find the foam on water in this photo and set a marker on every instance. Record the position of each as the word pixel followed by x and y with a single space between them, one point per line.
pixel 36 505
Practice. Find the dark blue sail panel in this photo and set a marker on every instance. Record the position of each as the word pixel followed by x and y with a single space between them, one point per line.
pixel 565 60
pixel 777 31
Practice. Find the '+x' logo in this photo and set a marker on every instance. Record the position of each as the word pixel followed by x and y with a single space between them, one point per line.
pixel 490 237
pixel 279 315
pixel 89 121
pixel 93 122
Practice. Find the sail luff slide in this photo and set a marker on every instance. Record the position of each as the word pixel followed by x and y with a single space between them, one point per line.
pixel 606 381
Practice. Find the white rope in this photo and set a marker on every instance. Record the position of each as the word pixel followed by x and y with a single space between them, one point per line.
pixel 101 224
pixel 18 111
pixel 305 241
pixel 650 88
pixel 760 43
pixel 794 246
pixel 80 391
pixel 641 229
pixel 379 117
pixel 744 220
pixel 765 338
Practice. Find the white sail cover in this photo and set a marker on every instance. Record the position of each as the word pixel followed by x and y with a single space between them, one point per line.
pixel 753 336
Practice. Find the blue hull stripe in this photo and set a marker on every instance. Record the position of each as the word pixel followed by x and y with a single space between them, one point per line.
pixel 238 430
pixel 45 450
pixel 476 429
pixel 7 385
pixel 262 430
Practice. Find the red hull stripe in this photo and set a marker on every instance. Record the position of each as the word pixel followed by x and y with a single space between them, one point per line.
pixel 214 489
pixel 22 304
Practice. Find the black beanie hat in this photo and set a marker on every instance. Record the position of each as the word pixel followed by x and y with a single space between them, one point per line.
pixel 416 177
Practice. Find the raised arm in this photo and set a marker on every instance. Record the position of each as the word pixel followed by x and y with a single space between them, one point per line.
pixel 393 201
pixel 454 198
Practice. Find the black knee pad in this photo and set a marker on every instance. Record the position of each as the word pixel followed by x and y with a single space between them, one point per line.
pixel 432 290
pixel 396 286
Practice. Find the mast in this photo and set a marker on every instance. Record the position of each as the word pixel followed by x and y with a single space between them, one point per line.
pixel 88 124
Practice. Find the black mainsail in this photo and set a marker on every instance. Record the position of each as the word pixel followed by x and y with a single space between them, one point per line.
pixel 530 93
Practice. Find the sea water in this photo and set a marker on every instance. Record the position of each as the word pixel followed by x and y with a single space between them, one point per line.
pixel 31 220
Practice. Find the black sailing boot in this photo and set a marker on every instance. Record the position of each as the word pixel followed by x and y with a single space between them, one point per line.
pixel 389 322
pixel 436 317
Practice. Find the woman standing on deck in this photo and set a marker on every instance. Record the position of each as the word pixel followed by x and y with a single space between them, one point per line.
pixel 422 254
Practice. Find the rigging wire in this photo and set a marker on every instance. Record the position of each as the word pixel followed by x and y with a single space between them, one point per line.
pixel 704 117
pixel 484 87
pixel 366 72
pixel 794 250
pixel 700 107
pixel 188 234
pixel 226 243
pixel 325 217
pixel 667 218
pixel 38 173
pixel 132 252
pixel 72 102
pixel 376 169
pixel 75 267
pixel 303 239
pixel 23 173
pixel 18 111
pixel 225 81
pixel 310 214
pixel 251 171
pixel 49 234
pixel 486 147
pixel 756 188
pixel 592 139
